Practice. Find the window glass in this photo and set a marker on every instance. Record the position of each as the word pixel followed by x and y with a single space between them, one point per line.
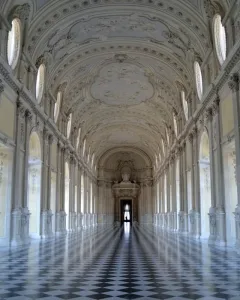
pixel 198 78
pixel 220 38
pixel 69 126
pixel 40 82
pixel 14 42
pixel 175 125
pixel 185 104
pixel 57 106
pixel 78 138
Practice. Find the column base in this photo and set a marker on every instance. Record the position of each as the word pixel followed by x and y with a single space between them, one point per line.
pixel 61 222
pixel 221 226
pixel 46 222
pixel 195 230
pixel 213 226
pixel 183 222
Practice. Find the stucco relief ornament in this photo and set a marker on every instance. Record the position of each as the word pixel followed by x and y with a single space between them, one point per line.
pixel 22 12
pixel 234 82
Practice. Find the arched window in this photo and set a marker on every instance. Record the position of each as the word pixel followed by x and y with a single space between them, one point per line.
pixel 175 125
pixel 14 43
pixel 78 138
pixel 40 82
pixel 84 147
pixel 184 104
pixel 93 156
pixel 156 161
pixel 163 147
pixel 57 106
pixel 88 157
pixel 219 38
pixel 167 136
pixel 198 78
pixel 69 126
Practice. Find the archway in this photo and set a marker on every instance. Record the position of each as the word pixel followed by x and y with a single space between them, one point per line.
pixel 34 184
pixel 205 184
pixel 66 198
pixel 230 187
pixel 6 157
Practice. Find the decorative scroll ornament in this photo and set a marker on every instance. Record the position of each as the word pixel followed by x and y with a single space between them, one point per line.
pixel 234 82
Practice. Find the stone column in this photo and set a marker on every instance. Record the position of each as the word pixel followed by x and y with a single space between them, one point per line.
pixel 61 214
pixel 197 183
pixel 79 184
pixel 212 210
pixel 46 214
pixel 72 212
pixel 234 83
pixel 174 194
pixel 18 167
pixel 183 213
pixel 220 217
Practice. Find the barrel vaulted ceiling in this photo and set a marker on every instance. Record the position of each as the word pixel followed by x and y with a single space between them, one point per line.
pixel 120 63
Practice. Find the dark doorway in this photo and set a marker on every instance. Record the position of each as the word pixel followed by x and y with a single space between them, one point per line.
pixel 126 211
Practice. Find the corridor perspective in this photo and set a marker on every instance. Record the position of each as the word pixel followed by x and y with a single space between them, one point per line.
pixel 119 149
pixel 120 263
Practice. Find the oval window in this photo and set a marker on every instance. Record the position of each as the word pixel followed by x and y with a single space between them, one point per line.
pixel 184 104
pixel 14 42
pixel 220 38
pixel 57 106
pixel 198 78
pixel 40 82
pixel 69 126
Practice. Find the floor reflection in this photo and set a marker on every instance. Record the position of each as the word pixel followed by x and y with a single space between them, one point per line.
pixel 129 262
pixel 127 228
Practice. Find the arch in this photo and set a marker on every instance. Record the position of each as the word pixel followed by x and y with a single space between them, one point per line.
pixel 34 183
pixel 102 160
pixel 205 184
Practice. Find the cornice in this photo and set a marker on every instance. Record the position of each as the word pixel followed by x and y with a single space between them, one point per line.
pixel 209 97
pixel 38 111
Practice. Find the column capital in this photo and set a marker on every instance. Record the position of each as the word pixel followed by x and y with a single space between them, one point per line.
pixel 21 109
pixel 208 114
pixel 233 82
pixel 215 106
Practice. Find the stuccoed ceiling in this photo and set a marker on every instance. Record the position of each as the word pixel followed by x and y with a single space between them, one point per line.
pixel 122 64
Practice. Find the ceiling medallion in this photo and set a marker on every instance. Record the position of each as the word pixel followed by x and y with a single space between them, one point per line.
pixel 122 84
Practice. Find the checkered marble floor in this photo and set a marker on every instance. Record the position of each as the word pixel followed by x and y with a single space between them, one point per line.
pixel 119 263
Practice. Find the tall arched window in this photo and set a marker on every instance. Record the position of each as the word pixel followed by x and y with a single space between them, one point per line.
pixel 167 136
pixel 69 126
pixel 40 82
pixel 198 79
pixel 57 106
pixel 93 156
pixel 175 125
pixel 219 38
pixel 89 152
pixel 14 43
pixel 163 147
pixel 84 147
pixel 184 104
pixel 78 138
